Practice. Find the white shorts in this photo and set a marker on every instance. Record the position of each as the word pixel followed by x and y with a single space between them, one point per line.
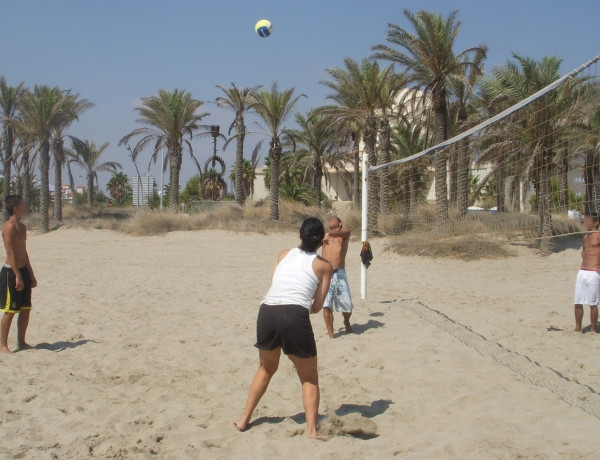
pixel 587 288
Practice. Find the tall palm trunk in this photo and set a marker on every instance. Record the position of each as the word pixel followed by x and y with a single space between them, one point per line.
pixel 174 170
pixel 500 179
pixel 26 179
pixel 8 153
pixel 239 162
pixel 90 186
pixel 318 179
pixel 58 150
pixel 356 177
pixel 384 175
pixel 564 183
pixel 462 177
pixel 545 204
pixel 440 163
pixel 373 182
pixel 274 155
pixel 453 174
pixel 414 190
pixel 45 185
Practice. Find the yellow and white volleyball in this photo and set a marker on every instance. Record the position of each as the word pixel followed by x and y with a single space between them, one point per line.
pixel 264 28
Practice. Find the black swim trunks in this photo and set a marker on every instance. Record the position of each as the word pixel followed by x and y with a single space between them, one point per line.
pixel 11 300
pixel 288 327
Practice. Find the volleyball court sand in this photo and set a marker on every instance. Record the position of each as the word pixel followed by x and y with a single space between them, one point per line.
pixel 145 348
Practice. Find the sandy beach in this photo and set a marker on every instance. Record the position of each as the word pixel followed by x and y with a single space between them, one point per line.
pixel 144 350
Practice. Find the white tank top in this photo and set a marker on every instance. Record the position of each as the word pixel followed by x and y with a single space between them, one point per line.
pixel 294 281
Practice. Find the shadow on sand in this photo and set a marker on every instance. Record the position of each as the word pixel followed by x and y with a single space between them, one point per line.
pixel 358 329
pixel 62 345
pixel 373 410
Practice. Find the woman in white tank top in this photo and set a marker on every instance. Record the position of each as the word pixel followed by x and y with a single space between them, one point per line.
pixel 299 286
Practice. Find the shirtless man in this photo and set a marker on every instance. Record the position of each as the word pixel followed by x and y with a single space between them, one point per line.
pixel 16 276
pixel 587 285
pixel 335 247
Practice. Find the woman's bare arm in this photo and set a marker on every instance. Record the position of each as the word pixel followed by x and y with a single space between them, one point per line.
pixel 323 270
pixel 281 256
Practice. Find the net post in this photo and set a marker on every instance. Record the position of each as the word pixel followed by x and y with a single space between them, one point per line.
pixel 364 233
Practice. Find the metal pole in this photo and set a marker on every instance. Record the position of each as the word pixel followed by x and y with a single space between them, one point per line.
pixel 364 223
pixel 162 173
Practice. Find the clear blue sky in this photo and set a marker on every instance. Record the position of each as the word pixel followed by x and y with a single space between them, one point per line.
pixel 113 52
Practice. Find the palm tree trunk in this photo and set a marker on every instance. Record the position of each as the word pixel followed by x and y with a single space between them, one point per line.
pixel 372 179
pixel 274 153
pixel 545 205
pixel 501 194
pixel 356 170
pixel 406 193
pixel 239 163
pixel 318 179
pixel 45 185
pixel 588 175
pixel 414 191
pixel 8 152
pixel 174 170
pixel 564 183
pixel 90 187
pixel 440 163
pixel 462 186
pixel 384 175
pixel 453 174
pixel 26 179
pixel 57 190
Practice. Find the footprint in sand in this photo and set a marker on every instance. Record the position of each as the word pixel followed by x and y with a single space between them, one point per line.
pixel 353 425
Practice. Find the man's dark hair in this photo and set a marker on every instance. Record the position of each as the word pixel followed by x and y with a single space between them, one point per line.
pixel 594 216
pixel 12 201
pixel 311 234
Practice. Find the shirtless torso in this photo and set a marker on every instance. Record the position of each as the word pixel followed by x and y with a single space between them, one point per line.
pixel 14 235
pixel 590 254
pixel 335 249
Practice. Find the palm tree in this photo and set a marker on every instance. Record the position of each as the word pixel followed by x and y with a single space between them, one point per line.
pixel 119 187
pixel 24 160
pixel 239 101
pixel 73 107
pixel 87 155
pixel 316 134
pixel 273 107
pixel 428 56
pixel 463 95
pixel 537 125
pixel 42 111
pixel 9 102
pixel 363 85
pixel 172 119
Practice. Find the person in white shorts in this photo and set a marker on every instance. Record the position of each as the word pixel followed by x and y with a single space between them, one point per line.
pixel 587 285
pixel 335 248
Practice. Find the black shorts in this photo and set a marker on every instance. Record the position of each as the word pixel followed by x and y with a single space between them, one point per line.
pixel 11 300
pixel 288 327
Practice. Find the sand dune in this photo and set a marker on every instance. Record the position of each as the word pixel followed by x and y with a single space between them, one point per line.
pixel 145 351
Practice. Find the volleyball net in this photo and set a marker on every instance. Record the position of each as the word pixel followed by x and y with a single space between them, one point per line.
pixel 528 170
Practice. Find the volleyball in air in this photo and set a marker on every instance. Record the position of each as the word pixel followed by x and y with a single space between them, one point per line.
pixel 264 28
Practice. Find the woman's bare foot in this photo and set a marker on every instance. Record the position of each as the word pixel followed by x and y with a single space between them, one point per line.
pixel 241 425
pixel 5 349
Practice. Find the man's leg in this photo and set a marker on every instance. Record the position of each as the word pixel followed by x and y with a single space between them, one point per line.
pixel 269 362
pixel 309 377
pixel 328 315
pixel 578 316
pixel 594 317
pixel 22 324
pixel 347 321
pixel 4 329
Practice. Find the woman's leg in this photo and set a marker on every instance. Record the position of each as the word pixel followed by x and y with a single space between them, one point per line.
pixel 269 361
pixel 309 377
